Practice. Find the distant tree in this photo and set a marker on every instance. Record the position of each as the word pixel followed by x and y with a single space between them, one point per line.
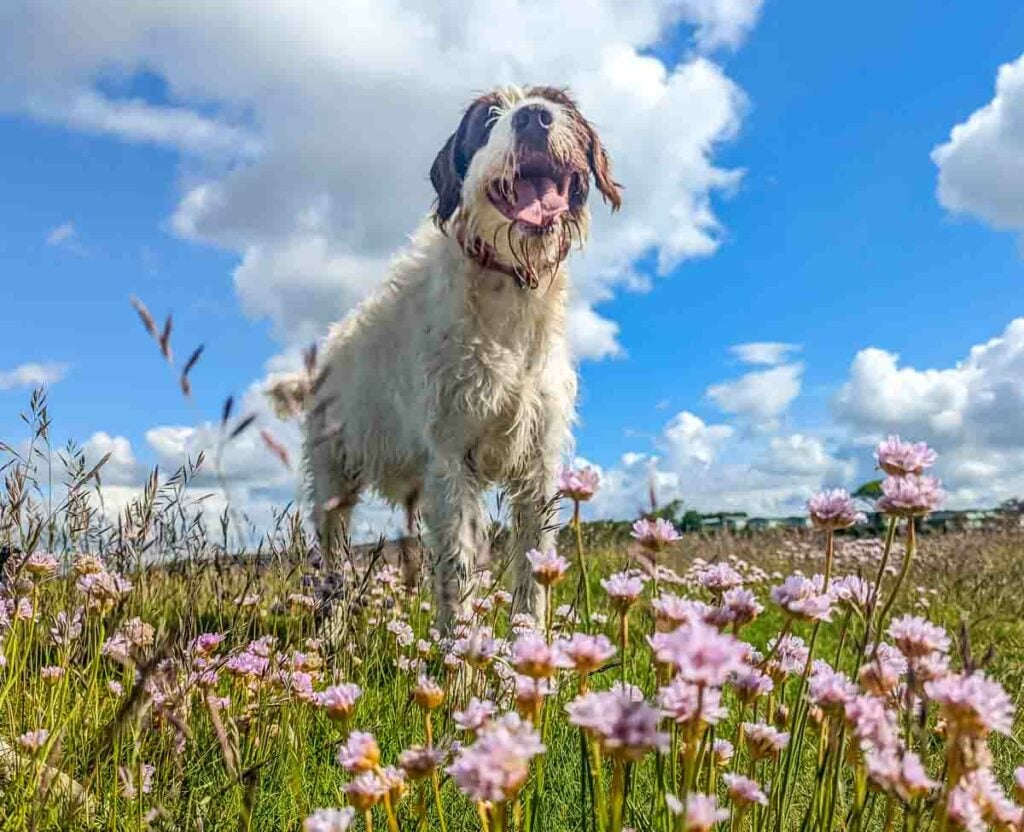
pixel 869 491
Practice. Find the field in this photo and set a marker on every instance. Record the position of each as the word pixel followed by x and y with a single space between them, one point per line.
pixel 151 678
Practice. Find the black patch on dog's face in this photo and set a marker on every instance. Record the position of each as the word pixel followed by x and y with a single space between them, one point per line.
pixel 449 168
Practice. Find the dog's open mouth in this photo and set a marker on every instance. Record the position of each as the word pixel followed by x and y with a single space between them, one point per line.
pixel 539 195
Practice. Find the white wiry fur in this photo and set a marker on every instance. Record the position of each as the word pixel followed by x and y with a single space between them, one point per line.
pixel 451 379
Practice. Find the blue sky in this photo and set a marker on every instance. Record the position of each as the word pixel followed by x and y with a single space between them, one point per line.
pixel 833 239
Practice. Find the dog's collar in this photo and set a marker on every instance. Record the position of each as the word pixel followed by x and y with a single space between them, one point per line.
pixel 486 257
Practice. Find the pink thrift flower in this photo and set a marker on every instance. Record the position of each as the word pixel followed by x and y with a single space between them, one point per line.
pixel 477 714
pixel 533 656
pixel 359 753
pixel 764 741
pixel 672 610
pixel 973 705
pixel 723 751
pixel 495 767
pixel 548 567
pixel 687 704
pixel 338 701
pixel 625 727
pixel 803 598
pixel 654 535
pixel 916 637
pixel 419 761
pixel 701 654
pixel 41 564
pixel 206 644
pixel 898 458
pixel 585 653
pixel 829 689
pixel 743 791
pixel 701 811
pixel 910 496
pixel 329 820
pixel 623 589
pixel 580 484
pixel 719 577
pixel 833 509
pixel 33 741
pixel 366 791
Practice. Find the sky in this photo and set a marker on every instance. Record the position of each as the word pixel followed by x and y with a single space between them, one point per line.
pixel 820 242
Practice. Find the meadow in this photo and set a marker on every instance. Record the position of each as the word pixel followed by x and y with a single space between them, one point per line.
pixel 154 677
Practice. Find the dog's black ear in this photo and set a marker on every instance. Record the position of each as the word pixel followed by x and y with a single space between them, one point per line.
pixel 450 166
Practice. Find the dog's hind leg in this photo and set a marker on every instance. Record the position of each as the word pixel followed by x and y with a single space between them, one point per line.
pixel 336 490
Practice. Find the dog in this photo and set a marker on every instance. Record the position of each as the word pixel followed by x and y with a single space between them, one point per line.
pixel 456 375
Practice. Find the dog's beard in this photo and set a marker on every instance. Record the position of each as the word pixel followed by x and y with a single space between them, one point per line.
pixel 534 252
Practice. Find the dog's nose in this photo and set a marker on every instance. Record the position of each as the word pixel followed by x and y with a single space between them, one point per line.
pixel 533 121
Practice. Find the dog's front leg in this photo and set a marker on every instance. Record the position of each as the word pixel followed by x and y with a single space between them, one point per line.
pixel 455 522
pixel 534 522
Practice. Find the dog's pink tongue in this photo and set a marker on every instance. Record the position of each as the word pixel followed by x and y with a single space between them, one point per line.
pixel 538 201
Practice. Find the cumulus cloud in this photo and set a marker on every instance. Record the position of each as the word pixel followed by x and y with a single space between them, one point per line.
pixel 135 120
pixel 981 165
pixel 770 353
pixel 121 467
pixel 972 412
pixel 761 396
pixel 299 123
pixel 32 374
pixel 688 439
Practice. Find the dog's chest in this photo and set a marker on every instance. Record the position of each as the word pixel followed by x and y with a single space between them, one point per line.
pixel 496 397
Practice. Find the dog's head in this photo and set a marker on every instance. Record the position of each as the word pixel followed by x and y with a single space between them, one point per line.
pixel 516 175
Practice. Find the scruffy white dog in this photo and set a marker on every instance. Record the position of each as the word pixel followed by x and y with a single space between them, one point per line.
pixel 455 376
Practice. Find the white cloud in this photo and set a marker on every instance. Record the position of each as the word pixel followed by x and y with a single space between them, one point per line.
pixel 688 439
pixel 981 166
pixel 62 233
pixel 972 412
pixel 761 396
pixel 33 374
pixel 122 468
pixel 135 120
pixel 311 162
pixel 770 353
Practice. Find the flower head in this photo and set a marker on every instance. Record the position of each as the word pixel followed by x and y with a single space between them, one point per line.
pixel 973 705
pixel 585 653
pixel 623 589
pixel 338 701
pixel 419 761
pixel 898 458
pixel 495 767
pixel 833 509
pixel 625 727
pixel 548 567
pixel 764 741
pixel 533 656
pixel 40 564
pixel 654 535
pixel 803 598
pixel 329 820
pixel 33 741
pixel 910 496
pixel 915 637
pixel 701 810
pixel 359 753
pixel 366 791
pixel 743 791
pixel 477 714
pixel 579 484
pixel 428 694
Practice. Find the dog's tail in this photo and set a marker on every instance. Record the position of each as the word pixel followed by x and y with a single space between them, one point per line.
pixel 289 393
